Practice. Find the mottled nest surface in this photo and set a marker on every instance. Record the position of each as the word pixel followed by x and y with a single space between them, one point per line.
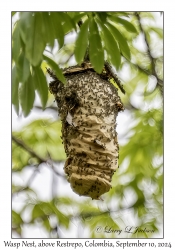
pixel 88 106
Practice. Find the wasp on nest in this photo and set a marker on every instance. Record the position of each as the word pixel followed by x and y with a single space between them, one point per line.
pixel 88 106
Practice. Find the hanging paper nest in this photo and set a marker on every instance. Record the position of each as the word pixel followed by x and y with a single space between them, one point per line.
pixel 88 106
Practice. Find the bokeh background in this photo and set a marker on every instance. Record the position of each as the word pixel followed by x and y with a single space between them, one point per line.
pixel 43 204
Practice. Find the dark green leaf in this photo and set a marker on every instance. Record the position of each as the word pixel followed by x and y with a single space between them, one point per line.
pixel 16 42
pixel 128 25
pixel 111 46
pixel 96 52
pixel 32 32
pixel 22 68
pixel 40 84
pixel 15 85
pixel 82 42
pixel 27 96
pixel 121 40
pixel 102 16
pixel 56 69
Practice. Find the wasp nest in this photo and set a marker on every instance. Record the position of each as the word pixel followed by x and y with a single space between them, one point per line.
pixel 88 106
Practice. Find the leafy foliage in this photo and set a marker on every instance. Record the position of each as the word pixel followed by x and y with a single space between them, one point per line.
pixel 34 31
pixel 38 41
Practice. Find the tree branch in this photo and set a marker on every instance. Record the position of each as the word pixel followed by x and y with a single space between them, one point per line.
pixel 26 148
pixel 153 66
pixel 159 81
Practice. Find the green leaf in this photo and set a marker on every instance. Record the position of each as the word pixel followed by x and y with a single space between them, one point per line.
pixel 128 25
pixel 158 31
pixel 40 84
pixel 121 40
pixel 14 12
pixel 78 16
pixel 16 218
pixel 17 189
pixel 82 42
pixel 25 22
pixel 49 35
pixel 15 85
pixel 19 157
pixel 22 68
pixel 57 27
pixel 65 201
pixel 148 15
pixel 63 219
pixel 32 32
pixel 56 69
pixel 27 96
pixel 96 52
pixel 118 13
pixel 37 212
pixel 111 46
pixel 88 210
pixel 66 21
pixel 52 28
pixel 46 224
pixel 71 14
pixel 147 34
pixel 16 42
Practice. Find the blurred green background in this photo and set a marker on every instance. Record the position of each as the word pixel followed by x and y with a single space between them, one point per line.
pixel 44 206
